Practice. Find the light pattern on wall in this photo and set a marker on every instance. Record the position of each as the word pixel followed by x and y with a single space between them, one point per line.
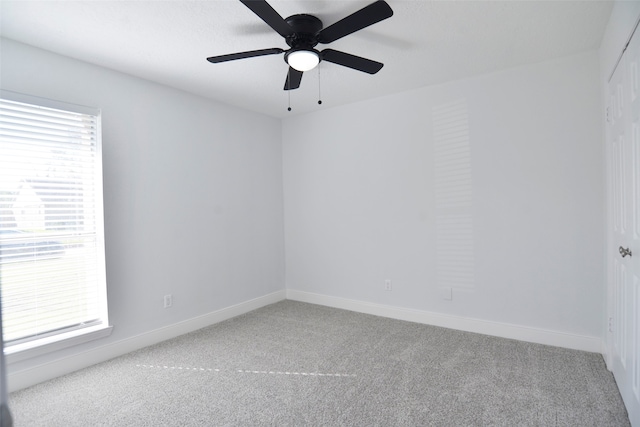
pixel 454 196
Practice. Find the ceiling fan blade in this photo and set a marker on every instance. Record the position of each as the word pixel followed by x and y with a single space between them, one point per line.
pixel 293 79
pixel 366 16
pixel 269 15
pixel 351 61
pixel 242 55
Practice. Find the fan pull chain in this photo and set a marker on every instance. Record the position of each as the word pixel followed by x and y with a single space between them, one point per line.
pixel 319 96
pixel 289 87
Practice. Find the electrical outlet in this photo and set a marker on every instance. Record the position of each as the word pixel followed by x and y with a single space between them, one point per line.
pixel 387 285
pixel 168 301
pixel 610 324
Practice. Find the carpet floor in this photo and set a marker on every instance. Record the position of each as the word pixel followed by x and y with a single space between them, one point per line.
pixel 298 364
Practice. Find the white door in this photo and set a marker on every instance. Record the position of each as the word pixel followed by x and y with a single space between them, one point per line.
pixel 623 136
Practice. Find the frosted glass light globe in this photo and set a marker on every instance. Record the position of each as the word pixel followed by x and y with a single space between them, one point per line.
pixel 303 60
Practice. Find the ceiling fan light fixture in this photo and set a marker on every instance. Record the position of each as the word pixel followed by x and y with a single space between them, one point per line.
pixel 303 60
pixel 302 32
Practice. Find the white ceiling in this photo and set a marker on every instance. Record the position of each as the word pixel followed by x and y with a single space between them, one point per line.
pixel 423 43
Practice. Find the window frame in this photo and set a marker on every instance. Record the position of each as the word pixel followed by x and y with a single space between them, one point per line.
pixel 58 341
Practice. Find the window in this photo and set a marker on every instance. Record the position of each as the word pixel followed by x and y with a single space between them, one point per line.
pixel 52 269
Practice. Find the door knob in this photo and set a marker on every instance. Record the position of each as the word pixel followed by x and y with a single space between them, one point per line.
pixel 624 252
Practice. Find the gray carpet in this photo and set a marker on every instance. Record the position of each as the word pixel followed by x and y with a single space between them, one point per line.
pixel 297 364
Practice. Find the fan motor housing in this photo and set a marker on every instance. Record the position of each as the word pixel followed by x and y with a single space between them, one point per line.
pixel 305 28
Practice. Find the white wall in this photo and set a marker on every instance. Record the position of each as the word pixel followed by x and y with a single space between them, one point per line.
pixel 193 196
pixel 360 201
pixel 194 199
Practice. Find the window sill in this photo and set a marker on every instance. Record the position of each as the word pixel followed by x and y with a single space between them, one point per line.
pixel 20 352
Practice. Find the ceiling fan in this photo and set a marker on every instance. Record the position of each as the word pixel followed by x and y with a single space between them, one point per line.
pixel 303 32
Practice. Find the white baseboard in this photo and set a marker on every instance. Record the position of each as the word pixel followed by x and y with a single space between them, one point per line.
pixel 503 330
pixel 37 374
pixel 606 354
pixel 34 375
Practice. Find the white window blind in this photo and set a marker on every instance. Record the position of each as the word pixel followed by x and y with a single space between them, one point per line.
pixel 52 272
